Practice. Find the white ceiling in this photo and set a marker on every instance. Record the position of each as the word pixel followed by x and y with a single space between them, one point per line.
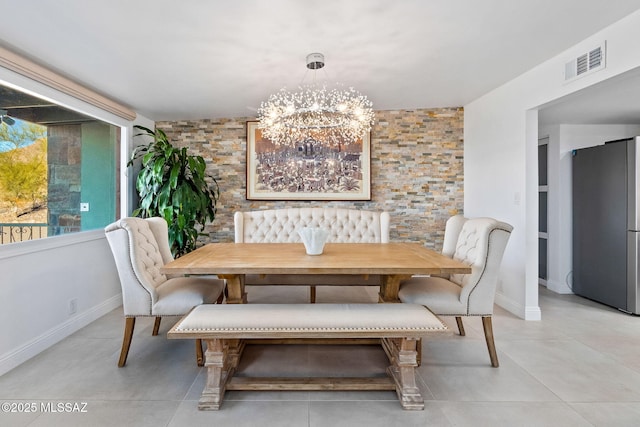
pixel 193 59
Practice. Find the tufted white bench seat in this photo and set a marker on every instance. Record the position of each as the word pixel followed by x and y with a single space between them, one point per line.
pixel 223 326
pixel 281 225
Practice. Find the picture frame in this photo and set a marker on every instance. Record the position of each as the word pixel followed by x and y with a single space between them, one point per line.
pixel 308 170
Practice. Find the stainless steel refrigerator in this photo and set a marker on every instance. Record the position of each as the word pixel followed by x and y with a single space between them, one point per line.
pixel 606 223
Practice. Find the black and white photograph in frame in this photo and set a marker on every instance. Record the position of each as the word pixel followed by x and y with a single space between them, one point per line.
pixel 308 169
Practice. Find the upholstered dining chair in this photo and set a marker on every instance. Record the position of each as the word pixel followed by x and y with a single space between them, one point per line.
pixel 480 243
pixel 140 248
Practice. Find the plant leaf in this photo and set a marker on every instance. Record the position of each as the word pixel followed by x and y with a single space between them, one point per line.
pixel 173 178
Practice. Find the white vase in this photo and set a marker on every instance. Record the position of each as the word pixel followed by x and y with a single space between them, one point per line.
pixel 314 239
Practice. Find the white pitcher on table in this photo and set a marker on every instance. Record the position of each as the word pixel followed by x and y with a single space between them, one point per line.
pixel 314 239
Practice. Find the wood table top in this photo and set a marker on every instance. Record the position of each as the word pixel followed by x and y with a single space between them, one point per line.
pixel 337 258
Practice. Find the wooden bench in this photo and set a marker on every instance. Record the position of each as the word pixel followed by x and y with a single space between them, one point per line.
pixel 224 327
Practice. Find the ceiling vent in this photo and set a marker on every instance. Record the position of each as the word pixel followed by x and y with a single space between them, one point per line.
pixel 586 63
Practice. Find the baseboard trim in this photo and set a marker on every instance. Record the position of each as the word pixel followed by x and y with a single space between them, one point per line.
pixel 526 313
pixel 532 313
pixel 16 357
pixel 559 288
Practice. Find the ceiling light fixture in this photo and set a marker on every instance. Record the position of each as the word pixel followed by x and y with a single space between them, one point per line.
pixel 330 115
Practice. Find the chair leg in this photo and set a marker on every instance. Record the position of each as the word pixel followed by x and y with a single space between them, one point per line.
pixel 199 356
pixel 460 325
pixel 220 298
pixel 312 297
pixel 156 326
pixel 130 323
pixel 488 336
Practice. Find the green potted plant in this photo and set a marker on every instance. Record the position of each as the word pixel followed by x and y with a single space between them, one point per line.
pixel 173 184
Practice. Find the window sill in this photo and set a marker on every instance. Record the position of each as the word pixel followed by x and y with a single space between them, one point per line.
pixel 11 250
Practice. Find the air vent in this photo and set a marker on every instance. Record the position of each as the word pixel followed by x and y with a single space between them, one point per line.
pixel 595 58
pixel 586 63
pixel 582 64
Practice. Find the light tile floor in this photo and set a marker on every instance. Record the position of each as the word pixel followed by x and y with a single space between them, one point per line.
pixel 579 366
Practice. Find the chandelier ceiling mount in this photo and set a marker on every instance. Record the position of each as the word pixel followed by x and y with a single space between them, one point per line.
pixel 315 61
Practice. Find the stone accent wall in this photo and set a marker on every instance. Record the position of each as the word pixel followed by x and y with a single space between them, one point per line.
pixel 416 170
pixel 64 149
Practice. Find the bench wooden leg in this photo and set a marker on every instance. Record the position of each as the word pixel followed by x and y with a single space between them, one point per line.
pixel 218 373
pixel 222 356
pixel 312 294
pixel 403 355
pixel 234 349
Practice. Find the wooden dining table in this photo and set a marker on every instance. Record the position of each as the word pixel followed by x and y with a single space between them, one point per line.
pixel 393 262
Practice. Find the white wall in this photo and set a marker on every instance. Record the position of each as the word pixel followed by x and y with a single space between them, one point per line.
pixel 40 277
pixel 562 140
pixel 501 137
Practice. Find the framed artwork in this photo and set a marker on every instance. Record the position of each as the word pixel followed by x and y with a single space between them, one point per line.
pixel 307 170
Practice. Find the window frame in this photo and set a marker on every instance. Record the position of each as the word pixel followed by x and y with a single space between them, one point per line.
pixel 35 80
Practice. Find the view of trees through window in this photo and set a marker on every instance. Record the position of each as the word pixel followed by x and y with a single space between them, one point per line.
pixel 23 173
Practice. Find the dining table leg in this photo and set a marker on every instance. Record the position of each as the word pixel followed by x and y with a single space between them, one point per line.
pixel 235 295
pixel 235 288
pixel 390 286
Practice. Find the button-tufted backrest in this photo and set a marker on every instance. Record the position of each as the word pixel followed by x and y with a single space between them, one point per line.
pixel 451 234
pixel 281 225
pixel 480 244
pixel 138 259
pixel 158 226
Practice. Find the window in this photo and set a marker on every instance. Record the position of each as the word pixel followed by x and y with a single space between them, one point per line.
pixel 59 169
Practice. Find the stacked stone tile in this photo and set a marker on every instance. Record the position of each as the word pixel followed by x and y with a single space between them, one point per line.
pixel 416 170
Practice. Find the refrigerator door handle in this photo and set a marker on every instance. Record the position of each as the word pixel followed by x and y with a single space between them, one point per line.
pixel 633 271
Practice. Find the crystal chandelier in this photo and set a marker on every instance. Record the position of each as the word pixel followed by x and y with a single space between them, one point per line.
pixel 330 115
